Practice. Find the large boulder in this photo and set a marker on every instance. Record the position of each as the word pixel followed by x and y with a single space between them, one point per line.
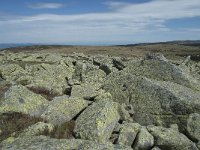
pixel 63 109
pixel 97 122
pixel 159 68
pixel 19 99
pixel 193 126
pixel 168 138
pixel 44 142
pixel 153 101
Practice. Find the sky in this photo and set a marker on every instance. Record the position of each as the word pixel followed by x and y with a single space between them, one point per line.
pixel 98 22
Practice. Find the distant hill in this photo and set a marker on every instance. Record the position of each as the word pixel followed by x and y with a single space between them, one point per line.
pixel 9 45
pixel 185 43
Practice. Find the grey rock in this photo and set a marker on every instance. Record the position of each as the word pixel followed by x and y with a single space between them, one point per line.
pixel 43 143
pixel 86 91
pixel 162 70
pixel 168 138
pixel 155 148
pixel 37 129
pixel 144 140
pixel 128 133
pixel 193 126
pixel 63 109
pixel 154 102
pixel 97 122
pixel 19 99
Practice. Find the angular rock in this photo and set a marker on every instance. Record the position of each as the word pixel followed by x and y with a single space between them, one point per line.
pixel 103 96
pixel 86 91
pixel 155 148
pixel 128 133
pixel 63 109
pixel 144 140
pixel 43 142
pixel 168 138
pixel 193 126
pixel 51 78
pixel 37 129
pixel 11 72
pixel 162 70
pixel 97 122
pixel 19 99
pixel 153 102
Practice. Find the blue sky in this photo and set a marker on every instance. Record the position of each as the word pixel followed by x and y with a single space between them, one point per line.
pixel 98 21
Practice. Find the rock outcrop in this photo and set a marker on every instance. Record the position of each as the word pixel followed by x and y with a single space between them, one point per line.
pixel 59 101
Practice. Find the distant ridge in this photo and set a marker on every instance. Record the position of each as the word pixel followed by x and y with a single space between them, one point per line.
pixel 184 42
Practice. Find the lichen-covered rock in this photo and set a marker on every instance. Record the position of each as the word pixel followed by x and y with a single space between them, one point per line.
pixel 62 109
pixel 128 133
pixel 43 142
pixel 155 148
pixel 97 121
pixel 19 99
pixel 86 91
pixel 153 102
pixel 11 72
pixel 103 96
pixel 193 126
pixel 163 71
pixel 168 138
pixel 37 129
pixel 50 77
pixel 144 140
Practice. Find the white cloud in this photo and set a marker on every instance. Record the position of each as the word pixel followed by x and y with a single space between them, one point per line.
pixel 45 5
pixel 125 22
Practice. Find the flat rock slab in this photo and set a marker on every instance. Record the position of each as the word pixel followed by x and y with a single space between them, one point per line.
pixel 97 121
pixel 63 109
pixel 19 99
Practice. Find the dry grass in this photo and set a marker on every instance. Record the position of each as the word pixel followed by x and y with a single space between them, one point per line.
pixel 49 95
pixel 15 122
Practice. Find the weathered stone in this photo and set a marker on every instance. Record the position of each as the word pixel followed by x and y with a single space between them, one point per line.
pixel 97 121
pixel 43 142
pixel 103 96
pixel 123 113
pixel 193 126
pixel 86 91
pixel 155 148
pixel 62 109
pixel 19 99
pixel 37 129
pixel 128 133
pixel 153 102
pixel 50 77
pixel 144 140
pixel 168 138
pixel 163 71
pixel 11 72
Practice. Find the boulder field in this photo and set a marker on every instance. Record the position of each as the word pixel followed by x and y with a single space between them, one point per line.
pixel 61 102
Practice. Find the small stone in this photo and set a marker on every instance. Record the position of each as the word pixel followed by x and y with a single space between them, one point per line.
pixel 128 133
pixel 144 140
pixel 193 126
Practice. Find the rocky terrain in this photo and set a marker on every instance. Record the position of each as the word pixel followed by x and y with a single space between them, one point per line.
pixel 76 101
